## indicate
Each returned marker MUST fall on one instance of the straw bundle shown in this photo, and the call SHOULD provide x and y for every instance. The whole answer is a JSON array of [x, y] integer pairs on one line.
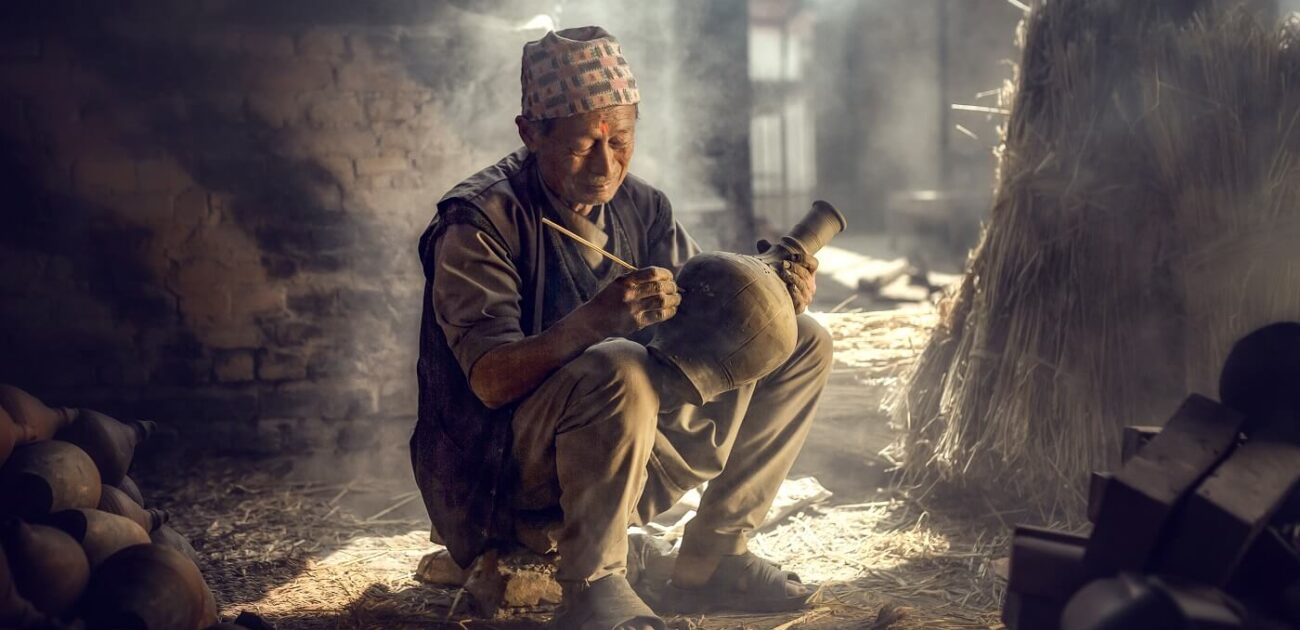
[[1145, 150]]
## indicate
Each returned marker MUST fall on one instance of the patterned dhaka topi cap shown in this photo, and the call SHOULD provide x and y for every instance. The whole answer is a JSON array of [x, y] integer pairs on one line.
[[575, 71]]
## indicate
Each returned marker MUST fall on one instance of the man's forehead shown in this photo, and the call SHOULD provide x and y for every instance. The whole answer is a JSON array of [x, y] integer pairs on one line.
[[600, 121]]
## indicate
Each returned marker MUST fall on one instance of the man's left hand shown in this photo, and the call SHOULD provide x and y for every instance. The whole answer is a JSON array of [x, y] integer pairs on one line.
[[801, 279]]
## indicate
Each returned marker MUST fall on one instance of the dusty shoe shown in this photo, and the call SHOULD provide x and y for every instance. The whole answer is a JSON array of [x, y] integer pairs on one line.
[[744, 583], [606, 604]]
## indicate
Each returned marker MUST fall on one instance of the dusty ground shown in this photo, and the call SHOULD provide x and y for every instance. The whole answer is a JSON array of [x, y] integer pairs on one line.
[[308, 554]]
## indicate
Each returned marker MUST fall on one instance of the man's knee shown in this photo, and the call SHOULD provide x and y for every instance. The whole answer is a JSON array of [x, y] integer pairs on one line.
[[616, 373], [815, 346]]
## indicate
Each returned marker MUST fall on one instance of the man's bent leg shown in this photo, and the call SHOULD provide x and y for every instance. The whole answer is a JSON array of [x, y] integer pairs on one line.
[[777, 415], [582, 439]]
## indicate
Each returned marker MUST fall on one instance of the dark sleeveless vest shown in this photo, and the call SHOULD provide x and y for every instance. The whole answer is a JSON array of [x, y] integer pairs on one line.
[[460, 450]]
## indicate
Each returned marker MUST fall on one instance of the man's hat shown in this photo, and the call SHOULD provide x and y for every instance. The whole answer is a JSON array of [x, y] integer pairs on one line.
[[575, 71]]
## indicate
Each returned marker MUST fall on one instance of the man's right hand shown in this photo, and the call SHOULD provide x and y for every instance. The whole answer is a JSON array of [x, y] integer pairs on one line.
[[635, 300]]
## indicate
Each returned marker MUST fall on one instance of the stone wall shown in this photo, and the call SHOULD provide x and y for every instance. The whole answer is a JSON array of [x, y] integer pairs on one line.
[[210, 208]]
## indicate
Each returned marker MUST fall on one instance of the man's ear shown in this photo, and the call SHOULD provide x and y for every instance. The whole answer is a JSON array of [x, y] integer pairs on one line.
[[527, 132]]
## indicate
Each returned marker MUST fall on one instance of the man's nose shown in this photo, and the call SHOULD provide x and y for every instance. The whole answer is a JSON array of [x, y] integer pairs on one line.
[[602, 164]]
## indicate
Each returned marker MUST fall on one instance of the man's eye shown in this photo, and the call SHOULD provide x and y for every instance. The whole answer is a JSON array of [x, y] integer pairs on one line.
[[580, 150]]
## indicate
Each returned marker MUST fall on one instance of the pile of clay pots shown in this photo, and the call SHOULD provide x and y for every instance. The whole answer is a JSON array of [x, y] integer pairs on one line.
[[77, 546]]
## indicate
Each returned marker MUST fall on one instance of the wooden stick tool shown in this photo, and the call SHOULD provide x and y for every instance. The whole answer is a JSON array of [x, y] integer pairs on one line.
[[594, 247]]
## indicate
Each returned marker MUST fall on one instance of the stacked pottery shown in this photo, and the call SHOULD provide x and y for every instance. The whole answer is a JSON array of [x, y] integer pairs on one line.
[[77, 545]]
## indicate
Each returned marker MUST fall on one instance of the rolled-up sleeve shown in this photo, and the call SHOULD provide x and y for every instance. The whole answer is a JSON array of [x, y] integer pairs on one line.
[[475, 294]]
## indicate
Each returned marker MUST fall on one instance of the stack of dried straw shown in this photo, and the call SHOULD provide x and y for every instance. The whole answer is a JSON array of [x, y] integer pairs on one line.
[[1147, 215]]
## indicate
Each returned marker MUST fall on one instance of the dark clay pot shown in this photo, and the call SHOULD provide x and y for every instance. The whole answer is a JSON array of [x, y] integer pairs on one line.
[[101, 534], [48, 566], [147, 587], [15, 610], [128, 486], [110, 443], [167, 536], [10, 432], [736, 322], [46, 477], [114, 501], [37, 421]]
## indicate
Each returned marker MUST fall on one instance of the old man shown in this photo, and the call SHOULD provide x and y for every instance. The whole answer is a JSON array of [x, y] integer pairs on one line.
[[543, 421]]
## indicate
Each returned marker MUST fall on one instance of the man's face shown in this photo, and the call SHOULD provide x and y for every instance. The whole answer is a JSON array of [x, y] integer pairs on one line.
[[584, 158]]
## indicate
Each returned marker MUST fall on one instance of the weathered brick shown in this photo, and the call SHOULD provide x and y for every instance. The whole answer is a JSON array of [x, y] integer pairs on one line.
[[96, 176], [405, 138], [293, 400], [191, 207], [295, 333], [340, 167], [300, 75], [274, 109], [152, 209], [234, 367], [206, 307], [262, 44], [398, 397], [231, 335], [320, 43], [274, 365], [375, 77], [332, 110], [163, 175], [391, 109], [376, 46], [182, 372], [256, 299], [381, 165], [341, 142]]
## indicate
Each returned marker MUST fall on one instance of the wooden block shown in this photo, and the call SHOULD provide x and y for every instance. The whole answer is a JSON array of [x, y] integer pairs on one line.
[[1142, 495], [1026, 612], [1046, 563], [1229, 511], [1097, 493], [1135, 437]]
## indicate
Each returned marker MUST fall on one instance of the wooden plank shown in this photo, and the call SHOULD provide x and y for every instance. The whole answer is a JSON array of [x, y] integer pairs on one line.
[[1229, 511], [1143, 494]]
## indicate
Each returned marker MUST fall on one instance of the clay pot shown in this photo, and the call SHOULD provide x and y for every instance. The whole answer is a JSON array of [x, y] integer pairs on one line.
[[110, 443], [114, 501], [128, 486], [48, 566], [147, 587], [46, 477], [167, 536], [101, 534], [15, 611], [38, 421], [10, 432], [736, 322]]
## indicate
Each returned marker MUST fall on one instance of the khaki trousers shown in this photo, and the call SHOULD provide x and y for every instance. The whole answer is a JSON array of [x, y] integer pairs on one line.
[[594, 442]]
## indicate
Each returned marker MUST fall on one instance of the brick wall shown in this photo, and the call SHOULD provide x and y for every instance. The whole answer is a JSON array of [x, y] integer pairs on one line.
[[210, 209]]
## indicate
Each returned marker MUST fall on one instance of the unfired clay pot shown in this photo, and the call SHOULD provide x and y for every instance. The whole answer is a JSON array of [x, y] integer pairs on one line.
[[149, 587], [101, 534], [38, 421], [110, 443], [736, 322], [15, 610], [114, 501], [47, 477], [49, 567], [128, 486]]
